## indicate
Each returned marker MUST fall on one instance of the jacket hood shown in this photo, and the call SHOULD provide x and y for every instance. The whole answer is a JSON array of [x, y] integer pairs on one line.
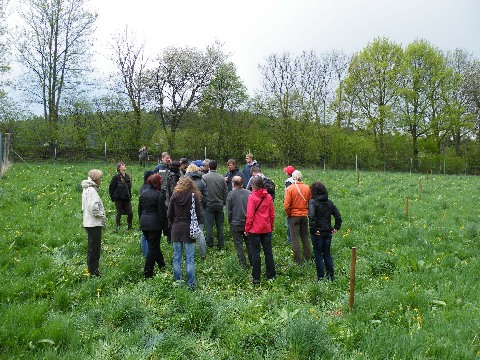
[[194, 175], [89, 183], [321, 198], [260, 192]]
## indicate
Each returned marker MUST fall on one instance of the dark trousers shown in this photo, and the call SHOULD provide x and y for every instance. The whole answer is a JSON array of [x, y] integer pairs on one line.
[[262, 241], [321, 252], [94, 235], [239, 239], [124, 207], [154, 254], [214, 214], [299, 235]]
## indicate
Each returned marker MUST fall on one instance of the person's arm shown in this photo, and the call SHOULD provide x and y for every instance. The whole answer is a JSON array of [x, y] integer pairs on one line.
[[311, 216], [338, 219], [250, 213]]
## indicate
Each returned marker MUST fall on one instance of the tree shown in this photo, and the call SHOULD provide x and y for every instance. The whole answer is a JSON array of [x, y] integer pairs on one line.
[[131, 65], [54, 45], [178, 82], [372, 83]]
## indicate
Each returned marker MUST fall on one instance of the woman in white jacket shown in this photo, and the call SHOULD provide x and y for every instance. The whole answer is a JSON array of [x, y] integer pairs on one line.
[[93, 218]]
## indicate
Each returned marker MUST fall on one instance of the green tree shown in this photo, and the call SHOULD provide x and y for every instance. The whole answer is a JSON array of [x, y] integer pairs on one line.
[[53, 45], [177, 83], [372, 84]]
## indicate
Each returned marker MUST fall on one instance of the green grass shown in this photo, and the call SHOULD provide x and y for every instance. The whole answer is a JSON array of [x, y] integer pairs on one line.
[[416, 297]]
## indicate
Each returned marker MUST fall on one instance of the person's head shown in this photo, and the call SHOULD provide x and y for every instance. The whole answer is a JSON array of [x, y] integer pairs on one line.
[[212, 164], [205, 164], [192, 168], [317, 188], [166, 159], [95, 175], [183, 163], [186, 184], [257, 182], [297, 175], [175, 167], [231, 164], [255, 170], [121, 166], [289, 170], [155, 181], [146, 175], [237, 182], [249, 158]]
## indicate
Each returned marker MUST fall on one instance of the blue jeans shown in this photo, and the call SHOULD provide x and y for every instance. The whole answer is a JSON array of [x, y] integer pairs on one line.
[[144, 246], [189, 260], [289, 239], [321, 251], [214, 214], [264, 241]]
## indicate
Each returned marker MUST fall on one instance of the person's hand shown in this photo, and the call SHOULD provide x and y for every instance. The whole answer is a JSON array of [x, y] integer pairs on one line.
[[317, 233], [334, 231]]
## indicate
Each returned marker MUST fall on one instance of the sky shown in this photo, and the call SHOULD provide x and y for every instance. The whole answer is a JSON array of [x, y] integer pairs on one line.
[[251, 30]]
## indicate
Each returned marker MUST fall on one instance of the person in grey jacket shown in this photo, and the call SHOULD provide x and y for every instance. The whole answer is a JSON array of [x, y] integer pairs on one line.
[[193, 172], [93, 219], [320, 212], [237, 200], [152, 212], [216, 199]]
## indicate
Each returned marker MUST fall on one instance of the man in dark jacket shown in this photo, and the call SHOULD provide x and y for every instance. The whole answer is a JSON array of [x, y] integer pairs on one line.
[[120, 190], [232, 171]]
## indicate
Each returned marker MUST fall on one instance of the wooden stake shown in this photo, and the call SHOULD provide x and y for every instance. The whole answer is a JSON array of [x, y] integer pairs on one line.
[[353, 265], [406, 206]]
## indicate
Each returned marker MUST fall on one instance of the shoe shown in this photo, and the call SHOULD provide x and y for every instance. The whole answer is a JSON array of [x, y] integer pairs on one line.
[[96, 274], [255, 281]]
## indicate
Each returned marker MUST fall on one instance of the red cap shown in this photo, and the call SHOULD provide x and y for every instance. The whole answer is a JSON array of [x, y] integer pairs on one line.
[[289, 169]]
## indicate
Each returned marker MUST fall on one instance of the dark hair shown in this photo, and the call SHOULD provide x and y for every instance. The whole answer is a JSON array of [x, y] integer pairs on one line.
[[232, 161], [175, 167], [120, 164], [317, 188], [183, 161], [255, 169], [257, 182], [154, 181], [212, 165], [146, 175]]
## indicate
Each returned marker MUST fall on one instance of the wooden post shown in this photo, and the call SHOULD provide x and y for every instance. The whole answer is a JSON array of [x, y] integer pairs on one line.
[[353, 265], [406, 206]]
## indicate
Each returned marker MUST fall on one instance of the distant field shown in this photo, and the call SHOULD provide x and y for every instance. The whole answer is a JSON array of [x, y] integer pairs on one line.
[[417, 280]]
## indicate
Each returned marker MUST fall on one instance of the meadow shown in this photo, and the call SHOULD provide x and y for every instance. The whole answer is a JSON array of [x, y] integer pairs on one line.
[[417, 277]]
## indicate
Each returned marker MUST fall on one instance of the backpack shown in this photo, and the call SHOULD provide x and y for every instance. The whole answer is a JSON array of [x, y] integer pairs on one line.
[[270, 186]]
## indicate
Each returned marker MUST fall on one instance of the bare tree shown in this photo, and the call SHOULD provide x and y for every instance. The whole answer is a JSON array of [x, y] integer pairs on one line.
[[130, 62], [177, 83], [53, 45]]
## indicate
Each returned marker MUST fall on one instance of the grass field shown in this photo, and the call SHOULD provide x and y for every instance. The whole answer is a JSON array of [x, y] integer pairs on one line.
[[417, 278]]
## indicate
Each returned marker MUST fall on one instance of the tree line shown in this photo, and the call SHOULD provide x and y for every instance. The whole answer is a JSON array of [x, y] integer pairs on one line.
[[394, 107]]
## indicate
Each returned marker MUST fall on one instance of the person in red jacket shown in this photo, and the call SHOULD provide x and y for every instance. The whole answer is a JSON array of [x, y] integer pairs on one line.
[[259, 227]]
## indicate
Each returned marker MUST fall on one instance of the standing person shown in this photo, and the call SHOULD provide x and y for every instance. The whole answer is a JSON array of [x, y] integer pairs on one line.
[[173, 177], [267, 182], [216, 199], [194, 173], [93, 219], [180, 215], [320, 212], [259, 227], [143, 155], [288, 171], [295, 205], [120, 190], [204, 168], [247, 170], [152, 214], [232, 171], [143, 241], [237, 200], [183, 166], [163, 168]]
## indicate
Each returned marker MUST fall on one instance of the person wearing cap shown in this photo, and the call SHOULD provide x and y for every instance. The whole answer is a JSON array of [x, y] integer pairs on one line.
[[288, 171], [295, 205], [120, 190], [183, 166]]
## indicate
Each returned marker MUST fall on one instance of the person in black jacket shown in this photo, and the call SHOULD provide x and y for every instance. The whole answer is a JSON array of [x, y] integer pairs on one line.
[[320, 212], [120, 190], [152, 213]]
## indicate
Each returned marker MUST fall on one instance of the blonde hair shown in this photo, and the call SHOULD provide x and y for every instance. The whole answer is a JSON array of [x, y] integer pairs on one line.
[[297, 175], [95, 175], [185, 184], [192, 168]]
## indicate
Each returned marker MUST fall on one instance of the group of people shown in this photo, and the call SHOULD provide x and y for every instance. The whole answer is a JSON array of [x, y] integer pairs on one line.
[[180, 198]]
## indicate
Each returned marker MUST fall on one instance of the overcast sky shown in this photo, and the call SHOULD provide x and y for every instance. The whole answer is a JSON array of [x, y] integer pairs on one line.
[[253, 29]]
